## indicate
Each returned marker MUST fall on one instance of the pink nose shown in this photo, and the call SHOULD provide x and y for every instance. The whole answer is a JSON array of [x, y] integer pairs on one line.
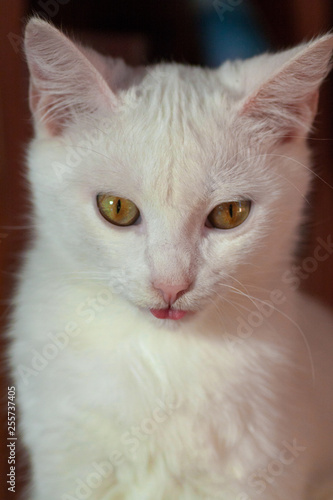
[[170, 292]]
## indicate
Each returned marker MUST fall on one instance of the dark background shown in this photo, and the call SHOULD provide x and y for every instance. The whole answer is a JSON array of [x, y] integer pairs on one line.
[[144, 31]]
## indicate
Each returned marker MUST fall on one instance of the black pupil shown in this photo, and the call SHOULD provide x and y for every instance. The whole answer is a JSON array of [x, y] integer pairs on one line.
[[231, 210], [118, 206]]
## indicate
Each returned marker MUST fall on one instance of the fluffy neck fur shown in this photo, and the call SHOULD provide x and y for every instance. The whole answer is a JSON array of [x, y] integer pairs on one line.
[[177, 141]]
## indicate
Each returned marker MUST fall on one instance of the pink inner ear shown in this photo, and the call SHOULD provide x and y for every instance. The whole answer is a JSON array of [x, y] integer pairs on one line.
[[34, 93], [313, 102], [261, 107], [66, 82], [41, 103], [34, 97], [286, 102], [288, 137], [288, 134], [304, 111], [54, 127]]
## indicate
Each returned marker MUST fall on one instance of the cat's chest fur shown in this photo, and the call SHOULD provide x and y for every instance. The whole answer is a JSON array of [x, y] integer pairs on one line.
[[184, 401]]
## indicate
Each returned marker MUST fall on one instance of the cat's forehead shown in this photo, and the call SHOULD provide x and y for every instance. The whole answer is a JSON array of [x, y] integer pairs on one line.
[[168, 163], [177, 97], [174, 137], [180, 96], [172, 142]]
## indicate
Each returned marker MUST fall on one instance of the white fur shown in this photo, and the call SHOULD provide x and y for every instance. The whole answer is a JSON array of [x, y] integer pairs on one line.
[[184, 410]]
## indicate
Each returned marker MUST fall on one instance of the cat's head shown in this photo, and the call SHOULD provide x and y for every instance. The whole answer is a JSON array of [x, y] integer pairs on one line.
[[172, 185]]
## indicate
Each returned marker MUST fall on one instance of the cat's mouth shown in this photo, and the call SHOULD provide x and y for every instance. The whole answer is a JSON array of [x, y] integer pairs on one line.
[[168, 313]]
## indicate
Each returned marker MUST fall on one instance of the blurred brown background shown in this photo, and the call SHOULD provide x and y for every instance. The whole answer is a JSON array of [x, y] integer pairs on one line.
[[143, 31]]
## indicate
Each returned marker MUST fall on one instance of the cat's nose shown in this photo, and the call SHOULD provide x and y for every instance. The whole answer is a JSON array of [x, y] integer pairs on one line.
[[171, 293]]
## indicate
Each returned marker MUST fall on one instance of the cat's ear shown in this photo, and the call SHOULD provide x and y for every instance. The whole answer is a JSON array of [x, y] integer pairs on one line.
[[66, 79], [285, 91]]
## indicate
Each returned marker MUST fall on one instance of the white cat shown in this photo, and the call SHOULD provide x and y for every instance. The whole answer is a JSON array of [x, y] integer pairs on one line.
[[160, 345]]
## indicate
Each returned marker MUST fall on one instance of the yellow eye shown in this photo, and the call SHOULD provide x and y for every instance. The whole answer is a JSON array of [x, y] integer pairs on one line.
[[230, 214], [118, 211]]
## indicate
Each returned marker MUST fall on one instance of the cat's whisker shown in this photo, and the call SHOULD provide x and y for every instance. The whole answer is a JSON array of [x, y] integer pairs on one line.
[[294, 186], [305, 137], [236, 280], [88, 278], [256, 287], [301, 164], [273, 306], [68, 273], [212, 301], [239, 292], [234, 304], [265, 155]]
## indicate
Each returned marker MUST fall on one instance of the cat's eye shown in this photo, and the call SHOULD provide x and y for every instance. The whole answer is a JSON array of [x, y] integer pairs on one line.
[[118, 211], [229, 214]]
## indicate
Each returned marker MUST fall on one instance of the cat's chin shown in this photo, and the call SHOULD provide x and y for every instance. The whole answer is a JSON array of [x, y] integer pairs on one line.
[[173, 314]]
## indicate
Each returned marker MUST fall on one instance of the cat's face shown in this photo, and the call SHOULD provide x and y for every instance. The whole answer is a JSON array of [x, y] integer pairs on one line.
[[186, 141]]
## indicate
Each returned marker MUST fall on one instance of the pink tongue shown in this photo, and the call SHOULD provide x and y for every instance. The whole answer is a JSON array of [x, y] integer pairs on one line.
[[167, 313]]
